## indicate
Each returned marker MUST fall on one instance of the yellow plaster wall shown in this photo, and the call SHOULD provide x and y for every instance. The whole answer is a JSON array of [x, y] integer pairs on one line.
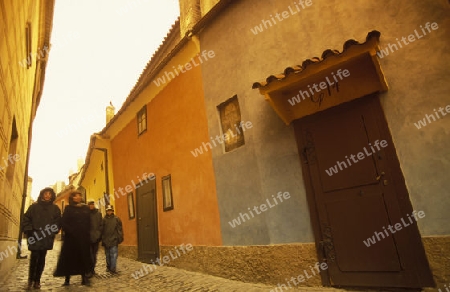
[[94, 180], [19, 88]]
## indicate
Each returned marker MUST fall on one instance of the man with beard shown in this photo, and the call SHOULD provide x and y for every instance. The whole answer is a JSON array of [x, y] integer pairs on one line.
[[40, 223], [75, 256]]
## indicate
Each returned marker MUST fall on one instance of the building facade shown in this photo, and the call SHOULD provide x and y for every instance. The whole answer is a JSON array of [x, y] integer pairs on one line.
[[277, 165], [156, 184], [311, 117], [24, 45]]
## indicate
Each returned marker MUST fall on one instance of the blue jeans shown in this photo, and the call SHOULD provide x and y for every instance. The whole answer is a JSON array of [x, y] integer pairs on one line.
[[111, 257]]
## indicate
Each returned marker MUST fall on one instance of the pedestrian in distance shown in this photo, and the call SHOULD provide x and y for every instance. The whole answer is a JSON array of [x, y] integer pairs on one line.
[[112, 236], [75, 256], [40, 223], [95, 234]]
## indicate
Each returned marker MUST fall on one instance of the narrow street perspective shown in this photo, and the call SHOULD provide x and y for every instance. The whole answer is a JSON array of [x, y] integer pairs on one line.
[[225, 145]]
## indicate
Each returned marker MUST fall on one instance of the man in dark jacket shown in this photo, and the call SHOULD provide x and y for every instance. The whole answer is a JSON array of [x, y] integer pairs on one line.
[[40, 224], [112, 236], [96, 234]]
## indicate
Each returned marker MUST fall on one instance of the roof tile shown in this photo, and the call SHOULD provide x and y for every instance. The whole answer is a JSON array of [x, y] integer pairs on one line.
[[308, 62]]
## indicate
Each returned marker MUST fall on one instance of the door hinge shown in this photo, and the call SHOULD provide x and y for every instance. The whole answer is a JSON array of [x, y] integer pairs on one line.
[[305, 155], [327, 243]]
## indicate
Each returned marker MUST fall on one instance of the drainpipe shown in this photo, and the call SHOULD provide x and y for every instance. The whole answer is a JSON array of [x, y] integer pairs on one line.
[[24, 196]]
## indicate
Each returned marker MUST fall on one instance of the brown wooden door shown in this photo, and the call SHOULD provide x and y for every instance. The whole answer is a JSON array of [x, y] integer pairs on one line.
[[355, 199], [147, 222]]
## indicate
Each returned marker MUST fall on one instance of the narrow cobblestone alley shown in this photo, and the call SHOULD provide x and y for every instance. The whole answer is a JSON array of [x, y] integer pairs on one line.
[[162, 279], [236, 145]]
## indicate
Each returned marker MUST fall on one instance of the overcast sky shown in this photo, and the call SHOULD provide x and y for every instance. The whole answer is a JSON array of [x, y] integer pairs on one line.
[[99, 49]]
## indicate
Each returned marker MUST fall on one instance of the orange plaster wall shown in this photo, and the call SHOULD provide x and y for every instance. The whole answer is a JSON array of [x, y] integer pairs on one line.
[[176, 125]]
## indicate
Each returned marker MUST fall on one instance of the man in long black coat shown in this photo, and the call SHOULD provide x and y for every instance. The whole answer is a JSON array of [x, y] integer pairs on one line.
[[40, 224], [75, 257]]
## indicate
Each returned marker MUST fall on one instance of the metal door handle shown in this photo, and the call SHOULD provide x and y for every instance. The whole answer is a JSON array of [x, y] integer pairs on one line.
[[380, 176]]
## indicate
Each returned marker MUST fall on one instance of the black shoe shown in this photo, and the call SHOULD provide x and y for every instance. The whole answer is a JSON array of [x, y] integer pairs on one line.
[[67, 281], [30, 285]]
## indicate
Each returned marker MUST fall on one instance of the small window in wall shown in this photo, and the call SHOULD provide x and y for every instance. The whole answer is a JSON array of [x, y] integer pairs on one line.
[[142, 120], [12, 156], [230, 119], [167, 193], [130, 206], [28, 45]]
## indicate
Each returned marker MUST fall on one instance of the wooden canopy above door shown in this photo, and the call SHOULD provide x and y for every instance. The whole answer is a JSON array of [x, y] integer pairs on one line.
[[321, 83]]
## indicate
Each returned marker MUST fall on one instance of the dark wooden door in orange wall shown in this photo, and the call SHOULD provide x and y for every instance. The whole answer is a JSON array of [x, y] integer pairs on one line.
[[355, 190], [147, 222]]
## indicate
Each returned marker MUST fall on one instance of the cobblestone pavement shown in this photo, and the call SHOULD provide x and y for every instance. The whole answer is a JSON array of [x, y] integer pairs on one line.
[[161, 279]]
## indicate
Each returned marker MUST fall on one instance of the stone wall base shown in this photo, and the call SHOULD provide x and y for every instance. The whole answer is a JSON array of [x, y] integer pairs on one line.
[[8, 248], [128, 251], [437, 249], [270, 264], [275, 264]]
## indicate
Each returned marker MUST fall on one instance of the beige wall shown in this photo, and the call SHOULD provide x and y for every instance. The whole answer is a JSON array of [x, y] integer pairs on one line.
[[417, 76]]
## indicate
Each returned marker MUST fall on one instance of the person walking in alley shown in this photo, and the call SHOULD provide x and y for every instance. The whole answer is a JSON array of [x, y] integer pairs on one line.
[[40, 224], [96, 234], [75, 256], [112, 236]]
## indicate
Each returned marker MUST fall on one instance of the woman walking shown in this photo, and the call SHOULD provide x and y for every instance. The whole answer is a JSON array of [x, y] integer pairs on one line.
[[40, 224], [75, 257]]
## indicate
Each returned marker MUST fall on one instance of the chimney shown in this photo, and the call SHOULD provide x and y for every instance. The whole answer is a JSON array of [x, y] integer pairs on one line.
[[190, 14], [110, 112]]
